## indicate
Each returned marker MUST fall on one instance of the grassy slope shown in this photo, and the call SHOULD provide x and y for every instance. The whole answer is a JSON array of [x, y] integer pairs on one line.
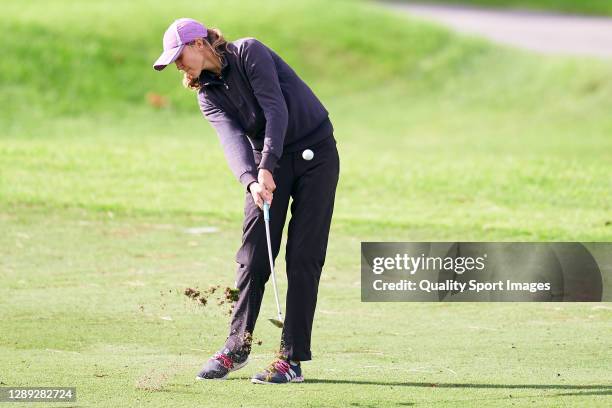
[[594, 7], [459, 127], [440, 138]]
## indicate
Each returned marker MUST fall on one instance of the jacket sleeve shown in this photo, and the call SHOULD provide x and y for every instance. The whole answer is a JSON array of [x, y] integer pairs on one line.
[[263, 77], [237, 149]]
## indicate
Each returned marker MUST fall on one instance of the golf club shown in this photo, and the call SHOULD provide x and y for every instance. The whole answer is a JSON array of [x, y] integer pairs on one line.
[[277, 322]]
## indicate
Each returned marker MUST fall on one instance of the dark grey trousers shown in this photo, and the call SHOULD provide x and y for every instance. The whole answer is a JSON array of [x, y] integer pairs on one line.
[[312, 186]]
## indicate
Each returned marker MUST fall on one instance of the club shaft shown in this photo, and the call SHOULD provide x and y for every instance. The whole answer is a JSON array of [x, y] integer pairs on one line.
[[278, 308]]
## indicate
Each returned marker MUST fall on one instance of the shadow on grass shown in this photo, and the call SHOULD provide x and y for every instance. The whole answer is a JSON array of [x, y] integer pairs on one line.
[[595, 389], [599, 389]]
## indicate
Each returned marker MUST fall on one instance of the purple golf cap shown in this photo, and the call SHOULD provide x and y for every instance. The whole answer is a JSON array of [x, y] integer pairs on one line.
[[180, 32]]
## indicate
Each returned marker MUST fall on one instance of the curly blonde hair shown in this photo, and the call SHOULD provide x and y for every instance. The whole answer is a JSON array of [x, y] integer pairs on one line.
[[218, 46]]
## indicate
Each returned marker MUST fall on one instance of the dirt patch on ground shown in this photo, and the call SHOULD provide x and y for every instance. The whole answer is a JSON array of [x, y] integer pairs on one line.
[[152, 381]]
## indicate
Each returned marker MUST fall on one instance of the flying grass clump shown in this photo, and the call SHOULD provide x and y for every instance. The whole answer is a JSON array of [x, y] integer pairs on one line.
[[226, 296]]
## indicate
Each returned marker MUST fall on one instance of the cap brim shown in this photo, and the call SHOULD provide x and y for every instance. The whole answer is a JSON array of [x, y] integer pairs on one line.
[[168, 57]]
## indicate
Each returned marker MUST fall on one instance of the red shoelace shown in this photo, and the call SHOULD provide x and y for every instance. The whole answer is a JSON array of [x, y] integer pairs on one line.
[[281, 366], [225, 360]]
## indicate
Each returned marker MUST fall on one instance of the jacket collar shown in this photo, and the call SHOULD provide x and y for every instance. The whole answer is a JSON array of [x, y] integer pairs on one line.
[[207, 77]]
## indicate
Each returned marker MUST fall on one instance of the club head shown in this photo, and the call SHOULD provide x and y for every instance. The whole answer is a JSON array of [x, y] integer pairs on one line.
[[277, 323]]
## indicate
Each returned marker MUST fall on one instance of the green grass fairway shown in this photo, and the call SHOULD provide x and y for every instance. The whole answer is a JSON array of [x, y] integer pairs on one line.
[[440, 138], [88, 300]]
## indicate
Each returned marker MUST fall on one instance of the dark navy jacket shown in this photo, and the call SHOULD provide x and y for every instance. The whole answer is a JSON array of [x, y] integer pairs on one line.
[[259, 103]]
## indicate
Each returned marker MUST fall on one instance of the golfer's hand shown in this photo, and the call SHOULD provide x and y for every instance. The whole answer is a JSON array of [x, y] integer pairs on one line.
[[264, 177], [260, 194]]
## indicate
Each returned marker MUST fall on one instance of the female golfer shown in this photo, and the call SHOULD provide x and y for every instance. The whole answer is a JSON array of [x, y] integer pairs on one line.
[[278, 141]]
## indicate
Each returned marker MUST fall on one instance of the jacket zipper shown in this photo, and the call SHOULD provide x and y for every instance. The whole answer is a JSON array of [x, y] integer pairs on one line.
[[224, 83]]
